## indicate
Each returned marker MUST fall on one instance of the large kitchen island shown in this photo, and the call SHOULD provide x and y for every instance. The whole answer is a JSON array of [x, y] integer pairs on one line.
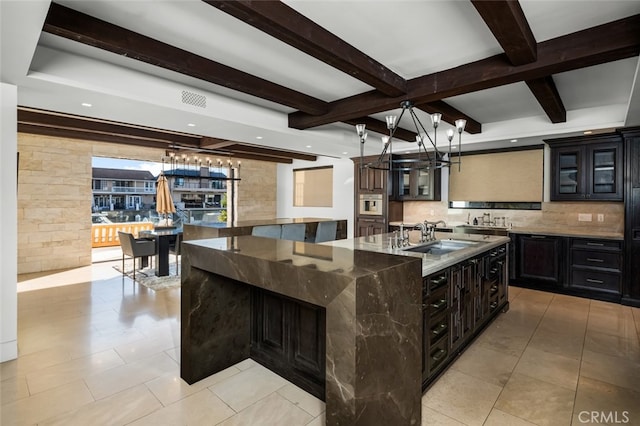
[[362, 325]]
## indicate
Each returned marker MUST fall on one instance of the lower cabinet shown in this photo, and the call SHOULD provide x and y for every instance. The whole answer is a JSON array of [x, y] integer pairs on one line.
[[540, 259], [457, 303], [288, 337], [595, 265], [586, 267], [368, 227]]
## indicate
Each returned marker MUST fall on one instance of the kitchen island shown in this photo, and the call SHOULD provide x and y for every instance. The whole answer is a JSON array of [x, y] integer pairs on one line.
[[362, 302]]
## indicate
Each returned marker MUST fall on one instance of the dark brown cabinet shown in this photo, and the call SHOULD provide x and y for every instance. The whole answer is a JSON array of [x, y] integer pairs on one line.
[[367, 227], [373, 183], [539, 259], [288, 337], [631, 284], [587, 168], [418, 184], [457, 303]]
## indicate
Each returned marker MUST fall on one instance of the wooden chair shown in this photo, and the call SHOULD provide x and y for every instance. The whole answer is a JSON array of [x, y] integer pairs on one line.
[[135, 248]]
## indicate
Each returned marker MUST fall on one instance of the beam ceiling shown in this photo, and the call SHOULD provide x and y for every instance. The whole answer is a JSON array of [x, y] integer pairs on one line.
[[75, 127]]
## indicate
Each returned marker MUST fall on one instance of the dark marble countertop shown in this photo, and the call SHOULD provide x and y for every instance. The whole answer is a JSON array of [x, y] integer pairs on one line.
[[430, 263], [275, 221]]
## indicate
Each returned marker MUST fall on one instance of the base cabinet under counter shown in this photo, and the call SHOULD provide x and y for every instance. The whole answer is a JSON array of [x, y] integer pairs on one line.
[[585, 267], [458, 302]]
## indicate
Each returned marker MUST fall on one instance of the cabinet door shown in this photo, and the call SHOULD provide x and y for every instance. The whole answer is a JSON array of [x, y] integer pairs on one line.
[[605, 172], [568, 173], [370, 180], [368, 227], [307, 340], [539, 258], [269, 335]]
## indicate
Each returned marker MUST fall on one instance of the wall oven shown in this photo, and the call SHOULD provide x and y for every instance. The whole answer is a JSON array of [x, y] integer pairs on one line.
[[370, 204]]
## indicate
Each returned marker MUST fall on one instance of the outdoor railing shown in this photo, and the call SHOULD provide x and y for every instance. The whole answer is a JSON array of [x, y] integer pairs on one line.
[[106, 235]]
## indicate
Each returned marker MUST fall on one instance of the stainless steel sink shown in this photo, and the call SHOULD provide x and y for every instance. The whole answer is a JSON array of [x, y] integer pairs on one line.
[[441, 247]]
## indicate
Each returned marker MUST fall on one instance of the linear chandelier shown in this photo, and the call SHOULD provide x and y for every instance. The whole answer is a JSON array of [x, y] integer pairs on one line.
[[432, 159], [180, 165]]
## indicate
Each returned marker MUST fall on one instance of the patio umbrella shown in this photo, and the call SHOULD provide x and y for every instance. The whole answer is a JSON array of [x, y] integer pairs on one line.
[[164, 202]]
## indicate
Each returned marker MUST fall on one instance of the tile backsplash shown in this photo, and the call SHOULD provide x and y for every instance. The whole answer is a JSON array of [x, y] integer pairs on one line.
[[563, 215]]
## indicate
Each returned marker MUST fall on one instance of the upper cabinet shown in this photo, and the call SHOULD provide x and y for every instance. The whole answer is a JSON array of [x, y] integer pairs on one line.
[[418, 184], [368, 179], [586, 168]]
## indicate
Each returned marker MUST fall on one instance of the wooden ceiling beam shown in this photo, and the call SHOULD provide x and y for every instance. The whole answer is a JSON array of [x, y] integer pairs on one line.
[[546, 92], [68, 23], [252, 149], [57, 120], [287, 25], [509, 26], [62, 132], [593, 46]]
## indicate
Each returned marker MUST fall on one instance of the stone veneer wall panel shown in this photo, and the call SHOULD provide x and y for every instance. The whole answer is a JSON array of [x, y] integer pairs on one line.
[[55, 197], [257, 190]]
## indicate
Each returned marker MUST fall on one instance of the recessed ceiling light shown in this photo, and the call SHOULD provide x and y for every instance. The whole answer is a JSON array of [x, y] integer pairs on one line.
[[513, 140], [345, 153], [191, 125], [258, 137], [86, 104], [308, 146], [587, 132]]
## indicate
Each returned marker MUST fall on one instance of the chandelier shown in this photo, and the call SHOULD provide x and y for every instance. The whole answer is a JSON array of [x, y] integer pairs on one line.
[[425, 159], [184, 166]]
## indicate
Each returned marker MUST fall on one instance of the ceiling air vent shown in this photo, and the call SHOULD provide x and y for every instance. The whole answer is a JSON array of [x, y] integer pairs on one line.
[[194, 99]]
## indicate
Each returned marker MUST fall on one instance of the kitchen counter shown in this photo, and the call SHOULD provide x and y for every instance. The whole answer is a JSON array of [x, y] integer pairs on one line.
[[567, 232], [215, 230], [430, 263]]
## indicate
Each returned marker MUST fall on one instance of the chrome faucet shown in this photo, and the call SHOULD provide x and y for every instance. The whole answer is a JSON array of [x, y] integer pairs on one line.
[[431, 228], [423, 231]]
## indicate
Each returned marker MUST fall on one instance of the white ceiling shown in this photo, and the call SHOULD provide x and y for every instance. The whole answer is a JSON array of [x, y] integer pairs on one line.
[[412, 38]]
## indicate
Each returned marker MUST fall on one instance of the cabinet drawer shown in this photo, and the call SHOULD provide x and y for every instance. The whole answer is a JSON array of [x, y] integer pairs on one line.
[[434, 282], [438, 302], [438, 354], [595, 280], [438, 329], [597, 244], [597, 259]]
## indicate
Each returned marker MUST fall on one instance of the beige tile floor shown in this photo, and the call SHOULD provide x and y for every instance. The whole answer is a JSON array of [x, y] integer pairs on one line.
[[100, 351]]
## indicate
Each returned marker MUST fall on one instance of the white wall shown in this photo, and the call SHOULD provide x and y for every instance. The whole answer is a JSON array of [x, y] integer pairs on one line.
[[8, 222], [342, 191]]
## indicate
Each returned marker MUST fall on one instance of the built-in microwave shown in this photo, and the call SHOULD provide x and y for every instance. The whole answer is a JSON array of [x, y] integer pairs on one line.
[[371, 204]]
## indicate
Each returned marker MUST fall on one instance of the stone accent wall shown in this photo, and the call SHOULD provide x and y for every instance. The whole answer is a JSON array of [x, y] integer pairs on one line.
[[257, 190], [54, 203], [55, 197]]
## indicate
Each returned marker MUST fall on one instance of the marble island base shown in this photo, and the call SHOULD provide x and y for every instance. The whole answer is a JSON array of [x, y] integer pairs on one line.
[[373, 314]]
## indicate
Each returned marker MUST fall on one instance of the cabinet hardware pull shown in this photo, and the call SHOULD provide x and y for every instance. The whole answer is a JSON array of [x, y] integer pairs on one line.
[[439, 329], [437, 357], [439, 304], [595, 244], [592, 259], [590, 280], [539, 236]]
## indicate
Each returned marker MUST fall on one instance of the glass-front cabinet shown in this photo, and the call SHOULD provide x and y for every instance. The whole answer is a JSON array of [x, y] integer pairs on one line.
[[586, 168], [419, 184]]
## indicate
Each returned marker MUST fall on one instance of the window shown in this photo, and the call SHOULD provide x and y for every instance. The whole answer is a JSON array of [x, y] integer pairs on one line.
[[313, 187]]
